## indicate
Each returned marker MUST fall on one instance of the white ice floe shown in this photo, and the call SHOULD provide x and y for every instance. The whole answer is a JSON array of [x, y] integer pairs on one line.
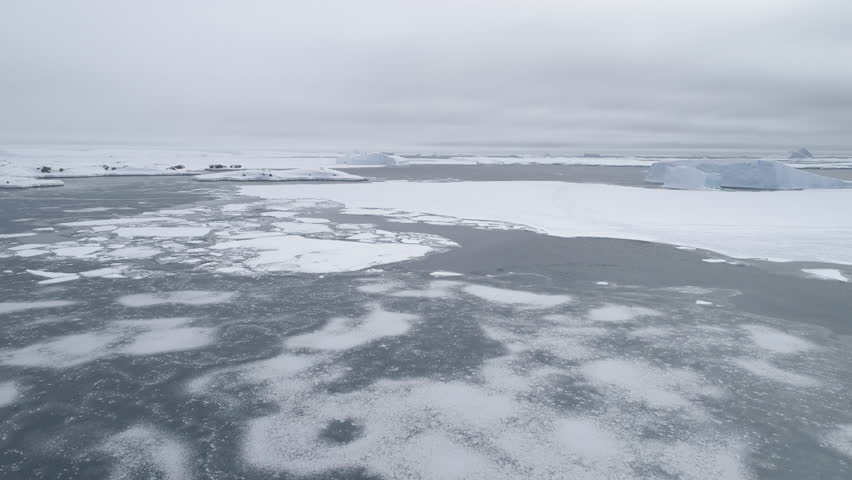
[[295, 175], [737, 173], [145, 451], [703, 302], [12, 307], [8, 393], [119, 221], [826, 274], [364, 158], [763, 369], [815, 224], [343, 333], [516, 297], [291, 253], [132, 253], [180, 297], [620, 313], [776, 341], [17, 235], [444, 273]]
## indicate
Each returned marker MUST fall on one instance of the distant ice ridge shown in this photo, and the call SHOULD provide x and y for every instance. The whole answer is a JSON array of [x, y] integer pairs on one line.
[[359, 158], [294, 175], [736, 173]]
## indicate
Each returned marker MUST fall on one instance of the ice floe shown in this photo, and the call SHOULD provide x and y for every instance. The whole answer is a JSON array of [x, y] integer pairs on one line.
[[814, 224], [345, 333], [366, 158], [826, 274]]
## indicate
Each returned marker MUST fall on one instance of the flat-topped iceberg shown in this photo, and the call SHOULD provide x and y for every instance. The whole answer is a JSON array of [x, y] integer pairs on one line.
[[736, 173], [293, 175], [359, 158]]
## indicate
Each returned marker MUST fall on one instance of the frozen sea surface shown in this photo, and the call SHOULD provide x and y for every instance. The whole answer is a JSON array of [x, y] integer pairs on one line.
[[540, 357]]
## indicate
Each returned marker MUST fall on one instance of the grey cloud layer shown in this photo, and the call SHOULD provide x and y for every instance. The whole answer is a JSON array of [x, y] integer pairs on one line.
[[506, 74]]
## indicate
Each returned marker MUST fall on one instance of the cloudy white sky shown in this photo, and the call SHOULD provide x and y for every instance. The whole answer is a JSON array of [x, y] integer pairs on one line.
[[486, 75]]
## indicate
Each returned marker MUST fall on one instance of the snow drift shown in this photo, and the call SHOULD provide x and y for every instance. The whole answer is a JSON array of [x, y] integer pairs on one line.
[[737, 173], [294, 175], [16, 177], [358, 158]]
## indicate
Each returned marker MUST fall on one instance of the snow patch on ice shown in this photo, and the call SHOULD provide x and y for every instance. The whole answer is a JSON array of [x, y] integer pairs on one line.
[[776, 341], [145, 451], [620, 313], [342, 333], [13, 307], [180, 297], [764, 369], [516, 297], [840, 439], [8, 393]]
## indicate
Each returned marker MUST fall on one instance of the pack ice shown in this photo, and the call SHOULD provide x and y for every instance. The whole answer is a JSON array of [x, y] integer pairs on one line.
[[736, 173]]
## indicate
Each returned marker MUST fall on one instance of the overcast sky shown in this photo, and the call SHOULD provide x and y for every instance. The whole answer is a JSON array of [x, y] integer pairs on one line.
[[487, 75]]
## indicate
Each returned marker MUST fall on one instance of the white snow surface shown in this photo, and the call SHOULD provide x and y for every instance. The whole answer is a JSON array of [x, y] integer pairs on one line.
[[144, 451], [12, 307], [815, 225], [737, 173], [295, 175]]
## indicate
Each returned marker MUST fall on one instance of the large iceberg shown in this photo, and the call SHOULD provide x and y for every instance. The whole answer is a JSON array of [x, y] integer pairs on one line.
[[293, 175], [801, 153], [359, 158], [737, 173]]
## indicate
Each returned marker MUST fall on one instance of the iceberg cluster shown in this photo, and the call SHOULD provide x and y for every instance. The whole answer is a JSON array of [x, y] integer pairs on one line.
[[736, 173]]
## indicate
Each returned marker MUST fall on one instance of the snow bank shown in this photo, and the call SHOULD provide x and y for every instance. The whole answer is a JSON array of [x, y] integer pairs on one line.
[[358, 158], [295, 175], [815, 225], [737, 173]]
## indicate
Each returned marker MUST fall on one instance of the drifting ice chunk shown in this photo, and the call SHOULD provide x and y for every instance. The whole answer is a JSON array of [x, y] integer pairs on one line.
[[294, 175], [688, 178], [358, 158], [743, 173]]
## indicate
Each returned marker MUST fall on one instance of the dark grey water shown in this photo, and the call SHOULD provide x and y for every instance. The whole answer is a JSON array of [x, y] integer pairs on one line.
[[631, 379]]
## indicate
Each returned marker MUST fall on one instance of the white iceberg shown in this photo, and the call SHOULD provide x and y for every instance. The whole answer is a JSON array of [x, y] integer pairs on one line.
[[688, 178], [358, 158], [737, 173], [801, 153], [294, 175]]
